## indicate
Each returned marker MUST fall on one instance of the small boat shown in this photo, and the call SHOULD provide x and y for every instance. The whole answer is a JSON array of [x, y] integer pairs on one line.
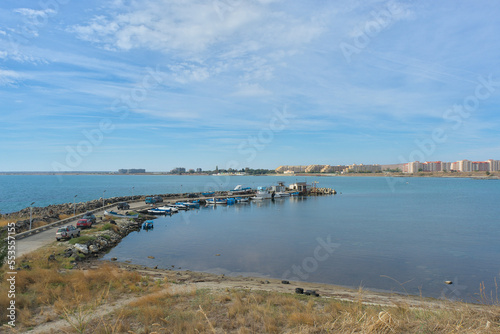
[[239, 190], [209, 193], [262, 193], [148, 224], [189, 204], [242, 199], [179, 206], [168, 208], [214, 201], [282, 194], [118, 215], [231, 201], [161, 211], [294, 193]]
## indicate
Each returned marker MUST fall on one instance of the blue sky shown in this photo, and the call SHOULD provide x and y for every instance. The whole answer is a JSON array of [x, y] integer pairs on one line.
[[103, 85]]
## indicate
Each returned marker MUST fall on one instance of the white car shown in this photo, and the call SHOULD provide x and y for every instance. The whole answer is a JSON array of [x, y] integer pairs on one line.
[[67, 232]]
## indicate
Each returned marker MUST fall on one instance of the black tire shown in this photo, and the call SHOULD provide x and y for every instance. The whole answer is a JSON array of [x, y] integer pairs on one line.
[[78, 234], [58, 239]]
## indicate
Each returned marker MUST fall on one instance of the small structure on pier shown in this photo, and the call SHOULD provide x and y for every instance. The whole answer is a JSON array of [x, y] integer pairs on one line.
[[299, 186], [278, 188]]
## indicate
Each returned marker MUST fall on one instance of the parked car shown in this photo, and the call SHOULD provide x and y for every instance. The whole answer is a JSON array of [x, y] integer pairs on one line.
[[150, 200], [192, 196], [90, 216], [84, 222], [66, 232], [158, 199], [123, 206]]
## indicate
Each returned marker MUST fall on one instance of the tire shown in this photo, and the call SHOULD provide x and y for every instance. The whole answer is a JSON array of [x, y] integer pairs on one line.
[[58, 239], [78, 234], [71, 236]]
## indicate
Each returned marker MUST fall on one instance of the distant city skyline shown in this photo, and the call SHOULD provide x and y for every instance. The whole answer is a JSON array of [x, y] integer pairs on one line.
[[105, 85]]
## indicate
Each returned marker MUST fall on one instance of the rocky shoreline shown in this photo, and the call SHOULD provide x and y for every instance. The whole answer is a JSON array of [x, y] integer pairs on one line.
[[53, 213], [100, 242]]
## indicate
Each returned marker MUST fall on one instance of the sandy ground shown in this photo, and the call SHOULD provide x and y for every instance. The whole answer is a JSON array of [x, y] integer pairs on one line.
[[202, 280]]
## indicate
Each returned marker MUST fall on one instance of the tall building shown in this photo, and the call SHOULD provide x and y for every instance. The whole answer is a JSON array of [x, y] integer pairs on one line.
[[362, 168]]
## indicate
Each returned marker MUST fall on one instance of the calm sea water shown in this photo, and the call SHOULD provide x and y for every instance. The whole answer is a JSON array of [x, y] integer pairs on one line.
[[420, 232]]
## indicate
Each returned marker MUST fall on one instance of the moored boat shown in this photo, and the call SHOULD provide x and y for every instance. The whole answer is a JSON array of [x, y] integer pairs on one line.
[[148, 224], [262, 193], [215, 201], [118, 215]]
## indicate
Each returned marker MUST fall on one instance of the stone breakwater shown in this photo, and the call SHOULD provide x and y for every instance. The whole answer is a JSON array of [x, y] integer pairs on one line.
[[52, 213], [101, 241]]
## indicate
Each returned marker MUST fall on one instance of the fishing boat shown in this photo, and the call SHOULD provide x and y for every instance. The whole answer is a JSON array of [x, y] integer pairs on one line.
[[262, 193], [148, 224], [214, 201], [118, 215], [240, 190], [160, 211], [169, 208], [179, 206], [189, 204]]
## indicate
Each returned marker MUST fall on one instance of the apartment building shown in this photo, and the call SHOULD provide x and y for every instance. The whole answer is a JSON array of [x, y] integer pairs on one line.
[[459, 166]]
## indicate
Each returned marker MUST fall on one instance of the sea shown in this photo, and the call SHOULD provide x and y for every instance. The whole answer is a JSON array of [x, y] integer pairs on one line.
[[404, 235]]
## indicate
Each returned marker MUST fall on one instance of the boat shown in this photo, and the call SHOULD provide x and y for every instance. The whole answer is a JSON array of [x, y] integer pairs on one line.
[[231, 201], [148, 224], [214, 201], [282, 194], [294, 193], [118, 215], [189, 204], [209, 193], [262, 193], [239, 190], [169, 208], [179, 206], [161, 211], [242, 199]]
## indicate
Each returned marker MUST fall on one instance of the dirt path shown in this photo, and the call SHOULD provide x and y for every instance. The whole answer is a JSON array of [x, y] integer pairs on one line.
[[98, 313]]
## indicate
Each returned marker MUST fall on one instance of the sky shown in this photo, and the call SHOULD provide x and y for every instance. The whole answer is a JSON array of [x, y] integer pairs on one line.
[[103, 85]]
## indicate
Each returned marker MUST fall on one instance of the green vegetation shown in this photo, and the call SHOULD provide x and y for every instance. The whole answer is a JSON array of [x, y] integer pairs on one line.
[[81, 240]]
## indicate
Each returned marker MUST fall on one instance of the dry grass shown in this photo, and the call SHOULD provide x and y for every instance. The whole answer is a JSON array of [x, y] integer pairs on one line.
[[47, 285], [46, 292], [242, 311]]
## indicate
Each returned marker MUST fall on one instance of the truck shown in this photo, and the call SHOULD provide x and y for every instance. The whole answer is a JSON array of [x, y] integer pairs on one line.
[[150, 200], [69, 232]]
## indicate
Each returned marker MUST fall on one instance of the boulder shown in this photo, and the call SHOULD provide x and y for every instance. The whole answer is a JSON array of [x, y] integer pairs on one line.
[[82, 248]]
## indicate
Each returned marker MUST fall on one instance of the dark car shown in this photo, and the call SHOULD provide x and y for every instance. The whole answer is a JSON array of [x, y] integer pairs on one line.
[[90, 216], [192, 196], [158, 199], [123, 206]]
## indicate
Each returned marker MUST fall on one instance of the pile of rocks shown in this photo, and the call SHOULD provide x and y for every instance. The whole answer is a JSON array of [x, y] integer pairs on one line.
[[322, 191], [101, 242]]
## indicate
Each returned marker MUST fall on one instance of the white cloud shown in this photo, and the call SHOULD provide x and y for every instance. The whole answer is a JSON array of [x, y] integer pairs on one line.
[[33, 13], [8, 77], [192, 27]]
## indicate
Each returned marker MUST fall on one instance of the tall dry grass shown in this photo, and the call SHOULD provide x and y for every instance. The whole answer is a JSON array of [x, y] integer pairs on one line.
[[46, 284], [242, 311]]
